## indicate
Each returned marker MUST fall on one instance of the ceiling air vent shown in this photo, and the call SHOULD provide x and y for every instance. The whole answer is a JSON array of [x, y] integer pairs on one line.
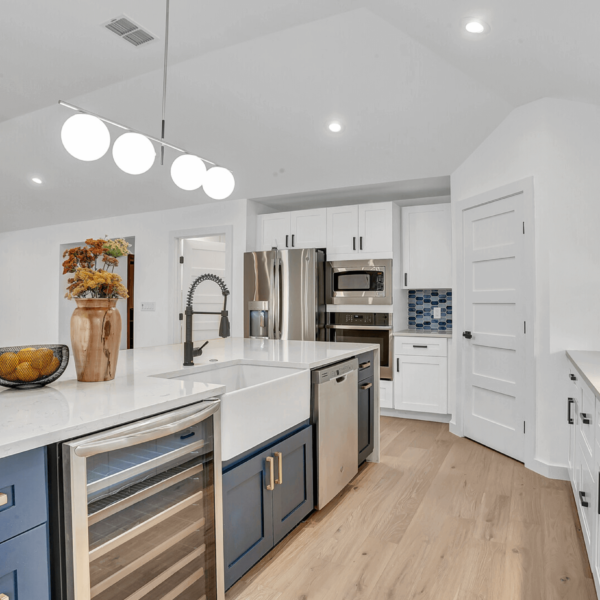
[[129, 31]]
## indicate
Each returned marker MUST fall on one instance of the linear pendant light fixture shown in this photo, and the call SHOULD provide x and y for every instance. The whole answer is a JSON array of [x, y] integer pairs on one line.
[[86, 137]]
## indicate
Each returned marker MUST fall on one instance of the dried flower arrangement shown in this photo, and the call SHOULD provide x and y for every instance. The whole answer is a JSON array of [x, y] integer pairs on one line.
[[90, 282]]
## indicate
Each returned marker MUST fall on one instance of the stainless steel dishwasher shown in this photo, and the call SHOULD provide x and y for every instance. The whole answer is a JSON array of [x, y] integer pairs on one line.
[[335, 416]]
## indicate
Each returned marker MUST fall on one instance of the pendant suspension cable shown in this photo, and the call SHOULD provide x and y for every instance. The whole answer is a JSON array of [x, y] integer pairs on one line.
[[165, 68]]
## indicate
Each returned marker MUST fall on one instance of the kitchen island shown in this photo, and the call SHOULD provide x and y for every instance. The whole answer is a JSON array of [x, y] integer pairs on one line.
[[265, 421]]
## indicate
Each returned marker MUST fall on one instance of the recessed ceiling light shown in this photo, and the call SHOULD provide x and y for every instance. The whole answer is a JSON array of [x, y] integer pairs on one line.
[[335, 127], [36, 180], [476, 26]]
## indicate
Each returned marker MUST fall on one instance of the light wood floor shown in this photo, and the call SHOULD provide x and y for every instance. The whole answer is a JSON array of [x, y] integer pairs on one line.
[[441, 518]]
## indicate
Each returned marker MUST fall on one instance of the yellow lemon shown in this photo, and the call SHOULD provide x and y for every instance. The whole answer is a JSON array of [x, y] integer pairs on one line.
[[25, 372], [8, 363], [10, 376], [25, 355], [48, 370], [42, 358]]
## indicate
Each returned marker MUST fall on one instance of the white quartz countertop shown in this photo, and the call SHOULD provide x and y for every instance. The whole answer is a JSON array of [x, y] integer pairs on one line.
[[421, 333], [68, 409], [588, 364]]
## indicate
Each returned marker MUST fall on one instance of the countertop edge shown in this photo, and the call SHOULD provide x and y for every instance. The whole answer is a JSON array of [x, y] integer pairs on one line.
[[416, 333], [595, 387]]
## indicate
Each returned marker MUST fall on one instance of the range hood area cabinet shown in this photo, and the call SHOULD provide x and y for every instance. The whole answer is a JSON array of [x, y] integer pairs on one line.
[[427, 247], [364, 230], [297, 229]]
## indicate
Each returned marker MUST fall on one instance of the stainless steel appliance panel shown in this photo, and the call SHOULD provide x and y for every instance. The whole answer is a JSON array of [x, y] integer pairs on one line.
[[335, 416], [143, 509], [359, 282], [284, 295]]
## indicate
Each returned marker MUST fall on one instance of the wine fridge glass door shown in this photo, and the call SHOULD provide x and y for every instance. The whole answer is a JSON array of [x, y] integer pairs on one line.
[[143, 519]]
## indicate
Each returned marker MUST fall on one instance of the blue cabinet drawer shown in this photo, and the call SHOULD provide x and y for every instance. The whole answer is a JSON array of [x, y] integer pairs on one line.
[[24, 573], [24, 488], [365, 365]]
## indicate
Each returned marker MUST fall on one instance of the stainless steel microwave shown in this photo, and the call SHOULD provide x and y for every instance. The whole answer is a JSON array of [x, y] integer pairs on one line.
[[359, 282]]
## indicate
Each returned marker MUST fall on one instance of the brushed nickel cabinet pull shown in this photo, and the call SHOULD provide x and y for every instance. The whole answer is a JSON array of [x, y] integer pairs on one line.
[[271, 484], [366, 386], [3, 501], [279, 456], [365, 365]]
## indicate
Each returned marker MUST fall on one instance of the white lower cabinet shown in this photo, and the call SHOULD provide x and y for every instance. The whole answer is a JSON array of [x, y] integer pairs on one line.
[[583, 415], [386, 393]]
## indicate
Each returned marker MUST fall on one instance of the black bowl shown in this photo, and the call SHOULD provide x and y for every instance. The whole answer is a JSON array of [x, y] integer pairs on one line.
[[60, 351]]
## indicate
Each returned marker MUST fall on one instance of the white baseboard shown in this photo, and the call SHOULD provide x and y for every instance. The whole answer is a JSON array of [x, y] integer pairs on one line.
[[419, 416], [549, 471]]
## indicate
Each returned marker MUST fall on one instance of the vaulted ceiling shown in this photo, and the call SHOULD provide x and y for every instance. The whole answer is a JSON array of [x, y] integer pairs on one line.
[[253, 85]]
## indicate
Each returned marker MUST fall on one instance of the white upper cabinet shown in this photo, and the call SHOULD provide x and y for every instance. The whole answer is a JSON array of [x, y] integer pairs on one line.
[[342, 230], [375, 225], [274, 231], [309, 228], [427, 246]]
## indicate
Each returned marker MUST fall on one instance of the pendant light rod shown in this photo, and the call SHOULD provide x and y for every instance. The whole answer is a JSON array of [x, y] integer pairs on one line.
[[165, 68], [150, 137]]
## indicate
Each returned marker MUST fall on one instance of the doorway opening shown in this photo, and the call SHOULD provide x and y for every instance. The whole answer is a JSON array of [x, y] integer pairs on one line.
[[198, 256]]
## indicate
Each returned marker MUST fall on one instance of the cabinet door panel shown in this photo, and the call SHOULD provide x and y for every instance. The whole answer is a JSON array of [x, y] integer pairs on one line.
[[586, 493], [366, 424], [294, 498], [375, 227], [342, 230], [247, 516], [386, 394], [427, 246], [309, 228], [421, 384], [273, 231], [24, 573]]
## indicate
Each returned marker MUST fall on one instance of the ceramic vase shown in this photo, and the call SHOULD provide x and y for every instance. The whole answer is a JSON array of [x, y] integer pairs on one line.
[[95, 338]]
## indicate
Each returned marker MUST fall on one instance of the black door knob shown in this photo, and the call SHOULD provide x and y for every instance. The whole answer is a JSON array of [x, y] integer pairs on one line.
[[467, 334]]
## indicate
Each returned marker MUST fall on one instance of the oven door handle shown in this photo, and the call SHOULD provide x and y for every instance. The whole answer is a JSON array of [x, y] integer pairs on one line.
[[361, 328], [157, 428]]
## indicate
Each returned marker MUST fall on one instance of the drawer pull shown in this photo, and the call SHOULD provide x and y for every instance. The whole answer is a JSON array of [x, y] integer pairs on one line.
[[279, 456], [366, 386], [365, 365], [584, 503], [415, 346], [398, 365], [572, 377], [271, 484], [585, 418], [569, 417], [3, 501]]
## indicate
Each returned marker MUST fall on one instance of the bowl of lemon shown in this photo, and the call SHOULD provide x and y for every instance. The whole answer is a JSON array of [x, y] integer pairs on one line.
[[29, 367]]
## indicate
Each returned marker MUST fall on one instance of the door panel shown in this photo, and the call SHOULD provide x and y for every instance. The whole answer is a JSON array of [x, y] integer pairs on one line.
[[247, 516], [375, 227], [421, 384], [294, 498], [309, 228], [494, 312], [366, 414], [259, 282], [342, 230], [273, 231]]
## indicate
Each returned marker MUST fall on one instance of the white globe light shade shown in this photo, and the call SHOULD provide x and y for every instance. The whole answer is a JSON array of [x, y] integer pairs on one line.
[[219, 183], [134, 153], [188, 172], [85, 137]]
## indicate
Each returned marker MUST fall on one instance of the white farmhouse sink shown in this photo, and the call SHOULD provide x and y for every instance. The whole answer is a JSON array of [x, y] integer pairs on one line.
[[260, 402]]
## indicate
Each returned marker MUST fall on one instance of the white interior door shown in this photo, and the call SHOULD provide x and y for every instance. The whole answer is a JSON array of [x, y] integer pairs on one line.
[[494, 314], [202, 257]]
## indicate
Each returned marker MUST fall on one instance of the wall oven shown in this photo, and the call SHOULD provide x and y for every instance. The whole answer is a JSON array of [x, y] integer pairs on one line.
[[366, 328], [359, 282], [141, 510]]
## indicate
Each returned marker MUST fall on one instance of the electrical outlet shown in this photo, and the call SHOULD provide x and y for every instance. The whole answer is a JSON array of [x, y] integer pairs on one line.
[[437, 312], [148, 306]]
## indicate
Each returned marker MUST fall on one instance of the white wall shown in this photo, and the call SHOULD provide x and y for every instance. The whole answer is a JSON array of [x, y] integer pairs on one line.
[[30, 260], [558, 142]]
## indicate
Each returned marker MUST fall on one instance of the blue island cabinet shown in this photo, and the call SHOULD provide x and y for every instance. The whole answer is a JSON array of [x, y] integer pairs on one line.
[[264, 498], [24, 572]]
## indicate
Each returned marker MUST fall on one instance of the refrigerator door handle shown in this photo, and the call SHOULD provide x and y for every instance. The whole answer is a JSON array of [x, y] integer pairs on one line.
[[276, 295], [271, 323], [158, 429]]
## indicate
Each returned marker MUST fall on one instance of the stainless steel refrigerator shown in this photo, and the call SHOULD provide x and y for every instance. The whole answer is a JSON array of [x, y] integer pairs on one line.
[[284, 294]]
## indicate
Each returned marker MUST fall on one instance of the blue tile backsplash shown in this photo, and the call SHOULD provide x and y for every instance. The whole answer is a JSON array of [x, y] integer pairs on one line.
[[420, 310]]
